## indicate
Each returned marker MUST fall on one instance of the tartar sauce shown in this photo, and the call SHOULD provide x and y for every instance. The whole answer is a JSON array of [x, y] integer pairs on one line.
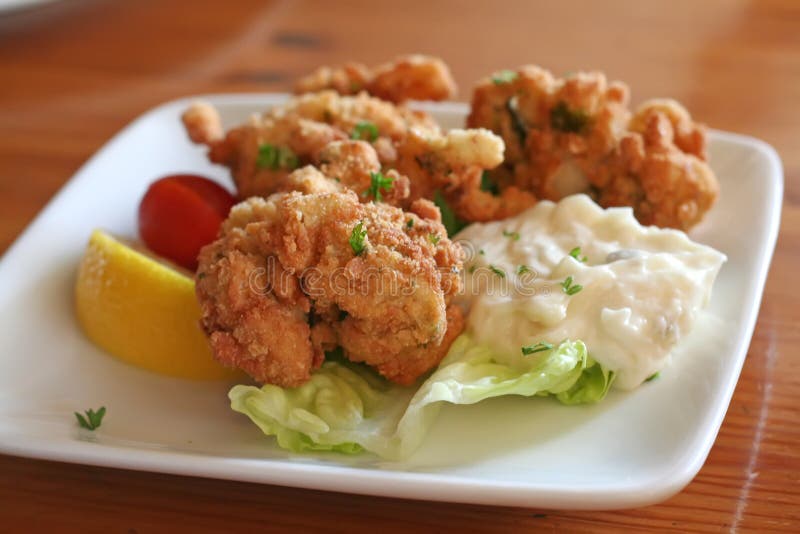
[[574, 270]]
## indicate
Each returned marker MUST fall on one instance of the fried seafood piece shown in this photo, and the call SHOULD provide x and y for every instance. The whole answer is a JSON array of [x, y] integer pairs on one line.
[[263, 151], [452, 165], [298, 274], [572, 135], [667, 185], [400, 156], [412, 77], [355, 165], [548, 123]]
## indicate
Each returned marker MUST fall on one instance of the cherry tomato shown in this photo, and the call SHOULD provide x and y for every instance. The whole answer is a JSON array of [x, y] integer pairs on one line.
[[181, 213]]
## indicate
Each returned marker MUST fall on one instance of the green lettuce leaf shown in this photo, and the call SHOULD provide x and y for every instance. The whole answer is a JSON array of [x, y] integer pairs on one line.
[[346, 408]]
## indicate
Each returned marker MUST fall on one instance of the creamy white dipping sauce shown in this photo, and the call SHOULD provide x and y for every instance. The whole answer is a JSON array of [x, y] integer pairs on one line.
[[641, 286]]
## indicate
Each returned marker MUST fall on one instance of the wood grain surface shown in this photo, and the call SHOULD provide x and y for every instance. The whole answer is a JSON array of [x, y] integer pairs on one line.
[[73, 73]]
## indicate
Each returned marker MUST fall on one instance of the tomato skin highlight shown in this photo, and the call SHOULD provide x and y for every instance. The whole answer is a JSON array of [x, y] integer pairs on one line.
[[181, 213]]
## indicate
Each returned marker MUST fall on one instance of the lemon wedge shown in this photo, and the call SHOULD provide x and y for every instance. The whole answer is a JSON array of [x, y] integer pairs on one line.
[[142, 311]]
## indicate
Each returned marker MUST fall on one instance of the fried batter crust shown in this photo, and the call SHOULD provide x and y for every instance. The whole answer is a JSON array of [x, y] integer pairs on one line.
[[576, 134], [412, 77], [304, 125], [282, 284], [410, 150]]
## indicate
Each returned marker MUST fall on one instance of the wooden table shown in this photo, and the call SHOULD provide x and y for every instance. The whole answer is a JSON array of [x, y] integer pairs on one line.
[[73, 73]]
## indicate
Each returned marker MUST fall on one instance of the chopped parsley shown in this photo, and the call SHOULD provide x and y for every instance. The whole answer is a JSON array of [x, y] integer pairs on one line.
[[378, 182], [472, 268], [335, 355], [482, 252], [504, 76], [92, 420], [570, 288], [499, 272], [513, 235], [365, 130], [576, 253], [357, 238], [434, 238], [541, 346], [517, 122], [276, 157], [410, 223], [450, 220], [522, 269], [488, 185], [568, 120], [652, 377]]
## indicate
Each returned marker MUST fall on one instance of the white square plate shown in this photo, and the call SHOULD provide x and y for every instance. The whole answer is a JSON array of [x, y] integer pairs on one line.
[[632, 449]]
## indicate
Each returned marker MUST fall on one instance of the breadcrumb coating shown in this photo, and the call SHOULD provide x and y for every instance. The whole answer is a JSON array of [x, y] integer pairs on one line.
[[283, 284], [300, 130], [404, 147], [576, 134], [412, 77]]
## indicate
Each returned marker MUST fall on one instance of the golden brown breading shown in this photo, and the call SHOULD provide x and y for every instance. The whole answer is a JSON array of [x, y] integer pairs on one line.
[[349, 79], [354, 164], [406, 148], [453, 164], [571, 135], [345, 112], [547, 122], [264, 150], [244, 303], [666, 185], [413, 77], [202, 123], [283, 284]]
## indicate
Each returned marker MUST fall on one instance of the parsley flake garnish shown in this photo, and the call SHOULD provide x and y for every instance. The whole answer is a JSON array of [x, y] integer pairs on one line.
[[570, 288], [357, 238], [335, 355], [488, 185], [450, 220], [378, 182], [652, 377], [434, 238], [522, 269], [568, 120], [513, 235], [517, 122], [92, 420], [504, 76], [365, 130], [499, 272], [539, 347], [410, 223], [482, 252], [576, 253], [276, 157], [472, 268]]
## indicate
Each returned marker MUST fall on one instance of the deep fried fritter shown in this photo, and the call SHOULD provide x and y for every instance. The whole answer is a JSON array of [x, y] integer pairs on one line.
[[413, 77], [666, 185], [263, 151], [571, 135], [283, 284], [405, 148], [355, 165], [453, 165]]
